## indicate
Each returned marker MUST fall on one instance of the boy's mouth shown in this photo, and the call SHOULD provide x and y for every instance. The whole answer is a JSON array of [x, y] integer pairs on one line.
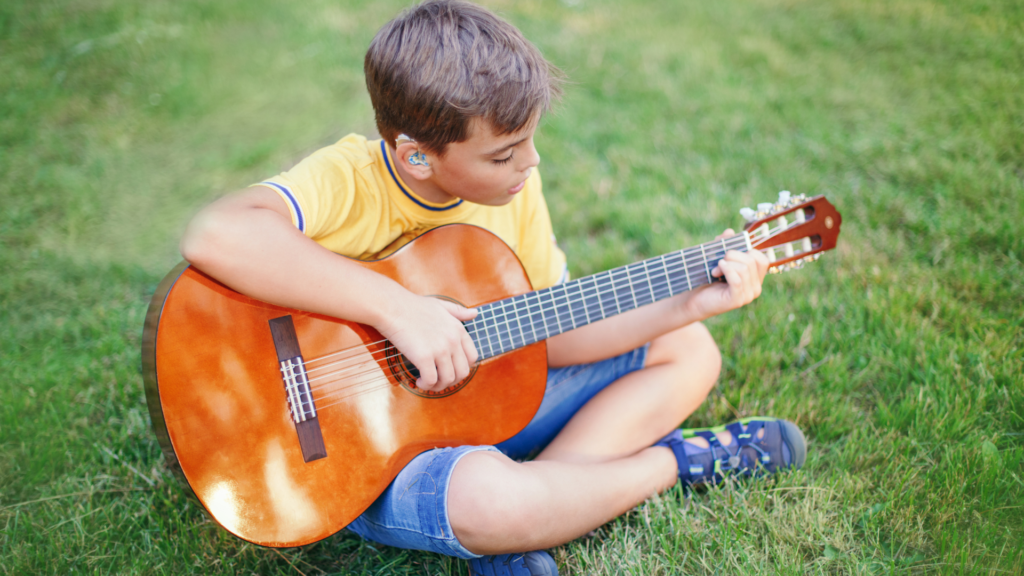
[[517, 188]]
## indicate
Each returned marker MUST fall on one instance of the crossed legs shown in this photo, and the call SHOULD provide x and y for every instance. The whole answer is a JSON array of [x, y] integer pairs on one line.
[[598, 467]]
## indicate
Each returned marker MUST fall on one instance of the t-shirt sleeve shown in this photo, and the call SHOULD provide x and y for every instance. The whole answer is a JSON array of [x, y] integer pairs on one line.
[[544, 261], [320, 192]]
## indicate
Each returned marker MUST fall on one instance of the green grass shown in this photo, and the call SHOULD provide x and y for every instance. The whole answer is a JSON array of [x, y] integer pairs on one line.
[[901, 354]]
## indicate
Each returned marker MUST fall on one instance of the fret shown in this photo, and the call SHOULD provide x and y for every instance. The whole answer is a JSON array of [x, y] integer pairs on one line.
[[650, 286], [523, 317], [528, 318], [597, 291], [547, 306], [619, 287], [541, 317], [495, 329], [568, 304], [480, 324], [519, 323], [708, 270], [530, 313], [615, 291], [686, 269], [638, 292], [629, 279], [660, 281], [543, 297], [583, 299], [504, 328], [554, 308], [493, 333], [581, 302], [668, 278], [491, 330]]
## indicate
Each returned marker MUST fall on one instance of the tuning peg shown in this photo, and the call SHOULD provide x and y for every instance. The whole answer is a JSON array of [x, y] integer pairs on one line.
[[748, 214], [784, 197], [765, 207]]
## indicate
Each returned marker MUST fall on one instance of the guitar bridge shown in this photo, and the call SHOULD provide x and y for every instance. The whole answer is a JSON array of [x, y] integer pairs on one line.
[[296, 385]]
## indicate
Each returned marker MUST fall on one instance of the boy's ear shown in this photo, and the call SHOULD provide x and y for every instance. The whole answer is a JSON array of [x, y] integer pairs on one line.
[[418, 169]]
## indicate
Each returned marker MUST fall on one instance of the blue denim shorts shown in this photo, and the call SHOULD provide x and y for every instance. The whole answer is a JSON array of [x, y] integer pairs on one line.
[[413, 512]]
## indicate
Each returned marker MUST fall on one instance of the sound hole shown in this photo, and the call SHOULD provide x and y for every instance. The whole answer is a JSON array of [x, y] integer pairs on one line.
[[405, 373]]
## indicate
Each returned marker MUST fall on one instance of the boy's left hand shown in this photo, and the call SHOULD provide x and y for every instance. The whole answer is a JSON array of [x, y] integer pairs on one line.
[[744, 272]]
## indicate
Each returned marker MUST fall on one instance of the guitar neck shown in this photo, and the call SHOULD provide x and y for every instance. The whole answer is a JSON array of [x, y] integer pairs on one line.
[[512, 323]]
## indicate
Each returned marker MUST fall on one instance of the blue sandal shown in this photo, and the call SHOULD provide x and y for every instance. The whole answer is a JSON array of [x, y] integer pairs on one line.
[[781, 445], [537, 563]]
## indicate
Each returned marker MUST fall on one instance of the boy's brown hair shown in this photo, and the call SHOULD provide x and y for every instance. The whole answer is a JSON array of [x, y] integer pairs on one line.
[[441, 63]]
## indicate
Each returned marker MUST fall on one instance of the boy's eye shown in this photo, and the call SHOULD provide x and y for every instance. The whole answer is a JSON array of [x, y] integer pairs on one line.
[[504, 160]]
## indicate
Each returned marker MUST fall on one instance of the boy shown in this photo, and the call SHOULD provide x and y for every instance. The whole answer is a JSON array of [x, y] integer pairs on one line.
[[458, 95]]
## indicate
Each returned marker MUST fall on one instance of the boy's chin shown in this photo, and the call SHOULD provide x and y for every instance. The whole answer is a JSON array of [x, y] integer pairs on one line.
[[492, 201], [502, 200]]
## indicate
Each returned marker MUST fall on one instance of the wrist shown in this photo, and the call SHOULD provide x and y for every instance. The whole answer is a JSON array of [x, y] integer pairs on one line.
[[386, 303], [688, 308]]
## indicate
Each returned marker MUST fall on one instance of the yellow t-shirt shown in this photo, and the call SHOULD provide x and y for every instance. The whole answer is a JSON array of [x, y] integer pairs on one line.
[[349, 198]]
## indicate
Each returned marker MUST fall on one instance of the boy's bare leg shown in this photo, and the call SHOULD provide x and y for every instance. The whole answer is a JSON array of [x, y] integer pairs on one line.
[[598, 467]]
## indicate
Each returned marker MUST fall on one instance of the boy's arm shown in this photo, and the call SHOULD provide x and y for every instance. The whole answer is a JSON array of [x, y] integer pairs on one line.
[[246, 240], [744, 272]]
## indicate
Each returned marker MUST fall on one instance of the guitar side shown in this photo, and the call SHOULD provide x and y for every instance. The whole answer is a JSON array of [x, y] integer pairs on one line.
[[219, 406]]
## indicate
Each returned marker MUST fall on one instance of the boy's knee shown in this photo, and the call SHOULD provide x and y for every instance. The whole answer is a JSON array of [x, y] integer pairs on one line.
[[693, 351], [486, 501], [710, 355]]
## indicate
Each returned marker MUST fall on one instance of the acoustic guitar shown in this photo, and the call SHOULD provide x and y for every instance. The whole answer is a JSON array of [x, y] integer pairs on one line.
[[286, 425]]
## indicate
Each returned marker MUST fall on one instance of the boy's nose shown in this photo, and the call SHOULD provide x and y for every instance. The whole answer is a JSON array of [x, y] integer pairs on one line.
[[531, 159]]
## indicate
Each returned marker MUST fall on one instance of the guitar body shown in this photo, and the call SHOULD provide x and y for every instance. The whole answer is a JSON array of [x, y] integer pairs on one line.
[[220, 407]]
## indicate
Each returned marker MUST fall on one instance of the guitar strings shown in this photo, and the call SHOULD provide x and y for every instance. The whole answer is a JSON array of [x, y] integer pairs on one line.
[[503, 316], [345, 399], [675, 268], [387, 384], [688, 263], [372, 361], [600, 291], [377, 375]]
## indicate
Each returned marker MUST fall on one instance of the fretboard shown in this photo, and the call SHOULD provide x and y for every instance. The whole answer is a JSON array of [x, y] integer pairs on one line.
[[512, 323]]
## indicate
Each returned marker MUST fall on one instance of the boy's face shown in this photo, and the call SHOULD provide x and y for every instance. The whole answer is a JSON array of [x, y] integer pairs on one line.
[[486, 168]]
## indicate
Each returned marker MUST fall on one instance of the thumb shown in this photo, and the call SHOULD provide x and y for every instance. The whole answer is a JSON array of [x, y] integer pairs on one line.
[[729, 232], [461, 312]]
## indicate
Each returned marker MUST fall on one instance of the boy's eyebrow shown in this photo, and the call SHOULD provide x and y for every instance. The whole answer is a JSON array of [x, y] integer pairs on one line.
[[506, 147]]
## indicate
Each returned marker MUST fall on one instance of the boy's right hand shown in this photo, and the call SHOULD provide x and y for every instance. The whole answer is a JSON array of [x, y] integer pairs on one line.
[[429, 332]]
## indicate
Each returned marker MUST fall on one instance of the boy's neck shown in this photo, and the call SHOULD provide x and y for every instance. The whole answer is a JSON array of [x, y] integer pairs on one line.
[[425, 189]]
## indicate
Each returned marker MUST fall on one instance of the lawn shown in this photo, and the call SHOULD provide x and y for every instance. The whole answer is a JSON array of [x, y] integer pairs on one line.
[[901, 354]]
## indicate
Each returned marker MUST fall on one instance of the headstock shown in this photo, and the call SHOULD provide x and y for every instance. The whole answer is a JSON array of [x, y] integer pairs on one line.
[[793, 230]]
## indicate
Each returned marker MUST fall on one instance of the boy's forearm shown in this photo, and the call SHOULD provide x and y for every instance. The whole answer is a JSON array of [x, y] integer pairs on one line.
[[255, 250], [619, 334]]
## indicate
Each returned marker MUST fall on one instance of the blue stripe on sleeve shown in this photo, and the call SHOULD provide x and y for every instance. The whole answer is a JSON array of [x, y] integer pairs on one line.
[[300, 221]]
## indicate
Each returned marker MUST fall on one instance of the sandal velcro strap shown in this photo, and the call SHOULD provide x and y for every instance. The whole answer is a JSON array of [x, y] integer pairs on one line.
[[693, 468], [780, 445]]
